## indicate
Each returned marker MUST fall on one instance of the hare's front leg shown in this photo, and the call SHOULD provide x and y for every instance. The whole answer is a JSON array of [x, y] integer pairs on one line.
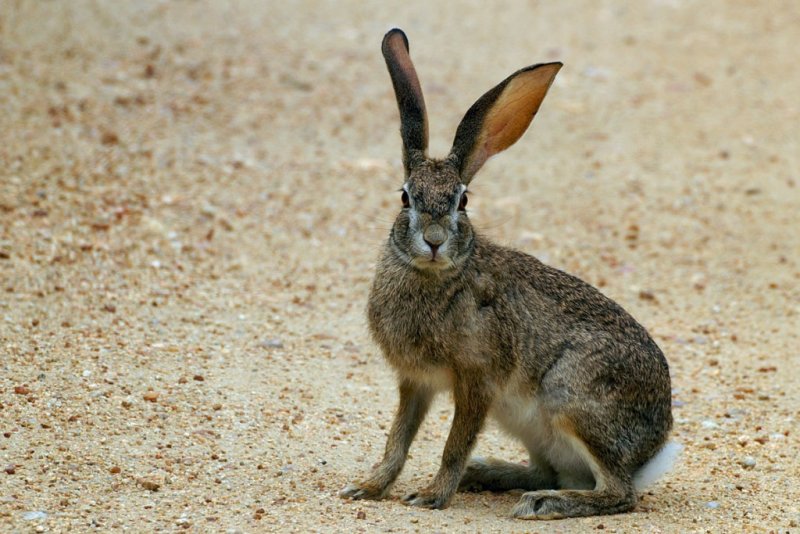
[[472, 400], [414, 403]]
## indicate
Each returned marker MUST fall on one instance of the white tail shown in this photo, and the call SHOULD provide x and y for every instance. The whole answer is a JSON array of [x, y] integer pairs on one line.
[[657, 466]]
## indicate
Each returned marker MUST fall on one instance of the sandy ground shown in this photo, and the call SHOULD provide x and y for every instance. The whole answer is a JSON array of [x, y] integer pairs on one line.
[[192, 200]]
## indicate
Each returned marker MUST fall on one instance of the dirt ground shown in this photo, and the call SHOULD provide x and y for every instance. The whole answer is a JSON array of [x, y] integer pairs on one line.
[[193, 196]]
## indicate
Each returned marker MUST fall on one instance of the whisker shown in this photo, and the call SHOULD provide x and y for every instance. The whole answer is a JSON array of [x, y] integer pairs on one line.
[[494, 224]]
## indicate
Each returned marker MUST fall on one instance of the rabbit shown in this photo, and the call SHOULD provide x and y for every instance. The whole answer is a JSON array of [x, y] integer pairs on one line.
[[556, 363]]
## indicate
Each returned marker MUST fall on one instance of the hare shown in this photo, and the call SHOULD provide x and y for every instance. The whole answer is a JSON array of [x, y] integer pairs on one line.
[[560, 366]]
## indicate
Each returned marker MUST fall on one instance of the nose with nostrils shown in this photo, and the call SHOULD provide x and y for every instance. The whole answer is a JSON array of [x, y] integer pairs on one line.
[[434, 236]]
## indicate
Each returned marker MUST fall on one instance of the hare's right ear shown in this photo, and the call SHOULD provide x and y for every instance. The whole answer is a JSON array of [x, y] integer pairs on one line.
[[413, 117], [500, 117]]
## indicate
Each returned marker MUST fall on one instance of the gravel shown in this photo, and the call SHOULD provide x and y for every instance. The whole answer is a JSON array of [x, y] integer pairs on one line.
[[193, 195]]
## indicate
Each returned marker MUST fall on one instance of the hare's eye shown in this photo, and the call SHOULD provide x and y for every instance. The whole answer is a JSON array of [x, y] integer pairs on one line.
[[462, 204], [404, 199]]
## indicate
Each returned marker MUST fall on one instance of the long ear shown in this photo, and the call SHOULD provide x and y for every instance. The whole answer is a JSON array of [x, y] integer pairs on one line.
[[500, 117], [413, 117]]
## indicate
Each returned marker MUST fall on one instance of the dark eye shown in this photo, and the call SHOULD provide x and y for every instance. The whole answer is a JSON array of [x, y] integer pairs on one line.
[[404, 199], [462, 204]]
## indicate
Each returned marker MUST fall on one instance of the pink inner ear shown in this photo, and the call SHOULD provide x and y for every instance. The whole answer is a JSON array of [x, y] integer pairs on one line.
[[510, 115], [515, 108]]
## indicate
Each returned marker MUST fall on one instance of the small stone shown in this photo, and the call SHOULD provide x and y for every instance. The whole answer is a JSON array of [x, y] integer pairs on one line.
[[34, 516], [712, 504], [647, 295], [22, 390], [271, 344], [10, 469], [748, 462], [150, 396], [151, 482], [361, 514], [198, 378], [114, 470]]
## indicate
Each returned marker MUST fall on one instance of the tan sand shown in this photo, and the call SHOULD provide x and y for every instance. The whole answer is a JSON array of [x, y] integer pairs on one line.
[[193, 196]]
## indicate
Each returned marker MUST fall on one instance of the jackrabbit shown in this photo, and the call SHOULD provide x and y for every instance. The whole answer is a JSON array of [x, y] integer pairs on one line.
[[558, 365]]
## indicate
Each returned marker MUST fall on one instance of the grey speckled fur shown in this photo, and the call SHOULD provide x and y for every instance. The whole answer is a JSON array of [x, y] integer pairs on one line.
[[559, 365]]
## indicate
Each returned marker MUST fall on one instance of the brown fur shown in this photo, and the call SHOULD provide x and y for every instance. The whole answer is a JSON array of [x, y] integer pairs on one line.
[[560, 366]]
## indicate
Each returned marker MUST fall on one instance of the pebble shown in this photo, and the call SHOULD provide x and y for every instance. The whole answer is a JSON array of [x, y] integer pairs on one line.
[[34, 516], [748, 462], [151, 482], [150, 396], [712, 504], [271, 344]]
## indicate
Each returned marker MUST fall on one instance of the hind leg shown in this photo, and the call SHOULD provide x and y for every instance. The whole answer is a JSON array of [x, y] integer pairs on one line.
[[497, 475], [611, 492]]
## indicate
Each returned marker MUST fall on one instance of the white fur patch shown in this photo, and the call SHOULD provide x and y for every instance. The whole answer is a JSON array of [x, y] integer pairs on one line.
[[658, 465]]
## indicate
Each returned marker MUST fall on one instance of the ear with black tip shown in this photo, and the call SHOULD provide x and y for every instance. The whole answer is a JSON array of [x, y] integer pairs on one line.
[[413, 117], [500, 117]]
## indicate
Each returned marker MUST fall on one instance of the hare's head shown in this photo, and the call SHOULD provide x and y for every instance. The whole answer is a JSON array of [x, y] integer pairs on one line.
[[432, 232]]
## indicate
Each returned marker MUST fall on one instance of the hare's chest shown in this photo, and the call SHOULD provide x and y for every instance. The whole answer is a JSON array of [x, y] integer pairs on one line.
[[403, 316]]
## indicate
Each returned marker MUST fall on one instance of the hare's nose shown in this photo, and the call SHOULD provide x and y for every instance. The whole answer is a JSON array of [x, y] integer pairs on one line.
[[434, 236]]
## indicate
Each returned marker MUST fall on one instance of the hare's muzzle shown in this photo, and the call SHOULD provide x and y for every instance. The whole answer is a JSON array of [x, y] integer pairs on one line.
[[434, 236]]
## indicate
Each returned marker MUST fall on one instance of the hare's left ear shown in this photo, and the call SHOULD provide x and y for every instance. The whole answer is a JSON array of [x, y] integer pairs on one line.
[[500, 117]]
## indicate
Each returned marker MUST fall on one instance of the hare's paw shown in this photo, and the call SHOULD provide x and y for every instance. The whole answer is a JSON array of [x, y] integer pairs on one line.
[[362, 490], [544, 504], [427, 499], [552, 504]]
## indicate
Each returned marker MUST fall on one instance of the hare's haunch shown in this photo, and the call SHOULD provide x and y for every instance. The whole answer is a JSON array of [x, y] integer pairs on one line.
[[560, 366]]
